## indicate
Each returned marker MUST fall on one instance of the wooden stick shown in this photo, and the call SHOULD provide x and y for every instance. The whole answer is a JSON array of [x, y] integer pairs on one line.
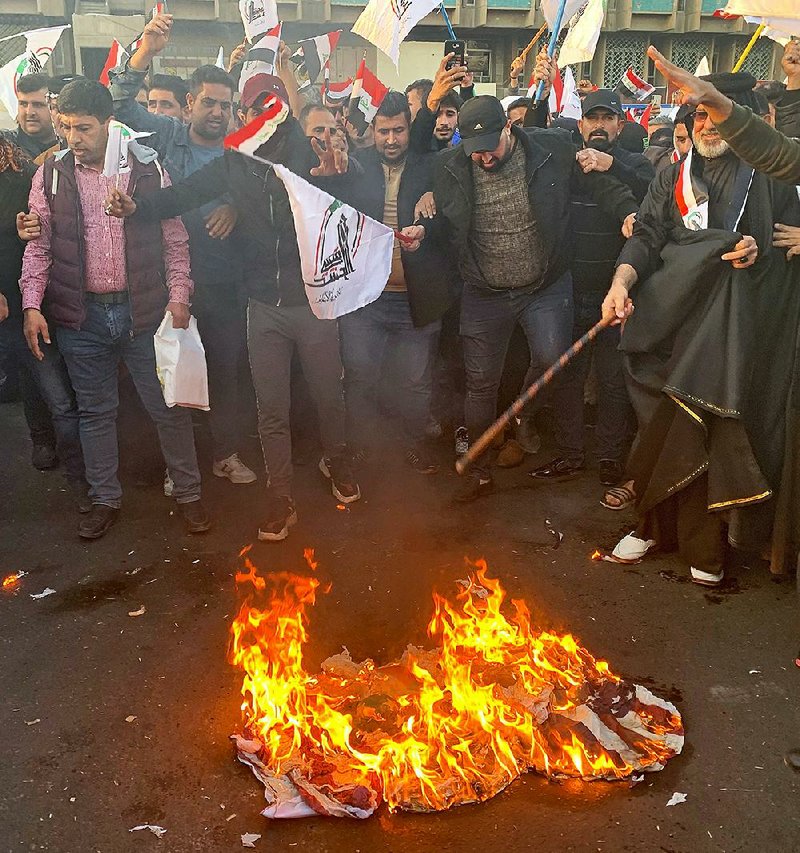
[[479, 446], [750, 45], [542, 30]]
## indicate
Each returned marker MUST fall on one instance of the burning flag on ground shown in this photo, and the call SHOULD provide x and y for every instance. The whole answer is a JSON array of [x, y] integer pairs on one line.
[[438, 728], [366, 99]]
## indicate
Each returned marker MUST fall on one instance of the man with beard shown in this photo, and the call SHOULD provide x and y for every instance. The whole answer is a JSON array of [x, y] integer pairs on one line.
[[502, 198], [34, 133], [185, 148], [280, 322], [708, 458], [596, 243], [405, 319]]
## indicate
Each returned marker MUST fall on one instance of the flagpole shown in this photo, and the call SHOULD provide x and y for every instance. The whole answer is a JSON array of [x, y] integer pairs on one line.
[[750, 45], [542, 30], [551, 47], [447, 23]]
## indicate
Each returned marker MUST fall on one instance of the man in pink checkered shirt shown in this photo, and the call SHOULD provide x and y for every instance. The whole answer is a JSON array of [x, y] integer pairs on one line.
[[105, 286]]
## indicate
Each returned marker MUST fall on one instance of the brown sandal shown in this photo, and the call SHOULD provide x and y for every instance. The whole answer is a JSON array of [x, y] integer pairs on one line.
[[624, 494]]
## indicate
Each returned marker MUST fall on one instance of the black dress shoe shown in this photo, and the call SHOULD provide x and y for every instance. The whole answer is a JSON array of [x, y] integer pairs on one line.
[[195, 517], [610, 471], [471, 489], [44, 457], [558, 469], [97, 522]]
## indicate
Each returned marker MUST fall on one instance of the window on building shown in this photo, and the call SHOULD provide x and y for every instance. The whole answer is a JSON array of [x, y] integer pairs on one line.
[[759, 60], [687, 52], [623, 50], [480, 61]]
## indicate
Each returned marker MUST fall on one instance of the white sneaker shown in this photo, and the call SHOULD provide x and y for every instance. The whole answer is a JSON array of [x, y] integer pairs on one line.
[[168, 484], [234, 469], [631, 549], [706, 578]]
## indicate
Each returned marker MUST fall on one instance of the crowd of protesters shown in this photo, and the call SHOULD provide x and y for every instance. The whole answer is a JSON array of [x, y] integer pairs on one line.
[[520, 230]]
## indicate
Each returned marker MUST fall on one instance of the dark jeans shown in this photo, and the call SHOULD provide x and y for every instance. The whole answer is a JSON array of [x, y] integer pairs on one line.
[[448, 372], [222, 327], [47, 395], [93, 355], [385, 326], [487, 322], [273, 334], [615, 418]]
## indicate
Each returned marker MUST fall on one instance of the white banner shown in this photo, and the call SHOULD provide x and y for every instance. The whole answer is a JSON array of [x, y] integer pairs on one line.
[[120, 137], [386, 23], [584, 31], [258, 16], [346, 257]]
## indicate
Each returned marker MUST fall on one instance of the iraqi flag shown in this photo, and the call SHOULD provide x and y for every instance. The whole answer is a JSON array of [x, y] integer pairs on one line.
[[345, 256], [337, 94], [366, 98], [117, 55], [261, 56], [386, 23], [633, 83], [690, 197], [248, 139], [314, 54]]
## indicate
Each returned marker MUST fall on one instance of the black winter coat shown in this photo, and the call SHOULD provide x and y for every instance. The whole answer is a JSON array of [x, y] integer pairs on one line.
[[430, 277], [266, 227], [14, 190], [552, 175]]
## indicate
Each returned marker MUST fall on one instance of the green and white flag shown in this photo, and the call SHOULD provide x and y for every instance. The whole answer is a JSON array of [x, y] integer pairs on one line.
[[39, 46], [345, 256], [120, 137]]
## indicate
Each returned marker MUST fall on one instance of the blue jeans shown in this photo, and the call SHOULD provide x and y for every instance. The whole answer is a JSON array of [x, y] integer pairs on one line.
[[47, 396], [488, 318], [615, 418], [93, 355], [367, 336]]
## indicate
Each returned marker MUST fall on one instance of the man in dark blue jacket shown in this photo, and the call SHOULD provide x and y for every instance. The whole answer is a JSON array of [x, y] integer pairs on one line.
[[406, 318], [216, 263]]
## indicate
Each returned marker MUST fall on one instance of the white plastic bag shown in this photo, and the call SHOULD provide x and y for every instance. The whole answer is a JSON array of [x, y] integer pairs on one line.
[[181, 365]]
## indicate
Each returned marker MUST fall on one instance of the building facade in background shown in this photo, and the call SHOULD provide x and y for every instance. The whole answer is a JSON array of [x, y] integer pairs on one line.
[[495, 30]]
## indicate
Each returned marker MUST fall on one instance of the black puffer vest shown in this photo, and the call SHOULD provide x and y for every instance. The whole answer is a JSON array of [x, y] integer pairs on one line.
[[65, 301]]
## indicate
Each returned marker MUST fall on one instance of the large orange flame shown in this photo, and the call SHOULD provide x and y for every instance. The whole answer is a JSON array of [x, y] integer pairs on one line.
[[453, 725]]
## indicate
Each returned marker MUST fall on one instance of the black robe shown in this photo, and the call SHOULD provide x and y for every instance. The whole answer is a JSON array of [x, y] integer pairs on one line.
[[703, 346]]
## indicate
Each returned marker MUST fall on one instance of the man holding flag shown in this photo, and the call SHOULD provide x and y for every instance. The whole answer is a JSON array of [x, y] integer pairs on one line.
[[279, 319], [104, 283]]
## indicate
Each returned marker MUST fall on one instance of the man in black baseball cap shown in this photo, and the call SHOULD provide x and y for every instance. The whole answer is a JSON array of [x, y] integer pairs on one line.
[[503, 196], [481, 124], [596, 242]]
